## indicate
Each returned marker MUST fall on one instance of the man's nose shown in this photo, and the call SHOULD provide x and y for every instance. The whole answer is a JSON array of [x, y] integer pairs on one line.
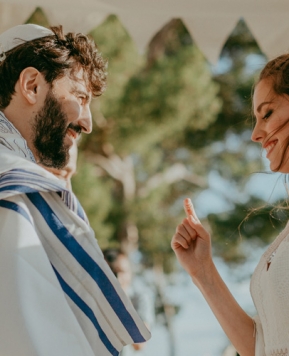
[[86, 121]]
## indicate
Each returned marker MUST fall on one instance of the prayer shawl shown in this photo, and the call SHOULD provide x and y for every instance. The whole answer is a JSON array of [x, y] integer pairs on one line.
[[58, 295]]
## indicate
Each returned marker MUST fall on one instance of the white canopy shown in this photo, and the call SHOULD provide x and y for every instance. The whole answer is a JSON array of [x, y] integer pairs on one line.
[[210, 22]]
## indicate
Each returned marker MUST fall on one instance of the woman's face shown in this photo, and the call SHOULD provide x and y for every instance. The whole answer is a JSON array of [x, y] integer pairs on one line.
[[272, 125]]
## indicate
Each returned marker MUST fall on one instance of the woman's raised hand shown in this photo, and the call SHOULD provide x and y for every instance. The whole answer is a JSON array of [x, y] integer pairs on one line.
[[192, 244]]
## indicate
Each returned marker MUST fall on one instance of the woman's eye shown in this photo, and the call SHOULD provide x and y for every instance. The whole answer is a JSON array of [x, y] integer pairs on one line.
[[267, 115]]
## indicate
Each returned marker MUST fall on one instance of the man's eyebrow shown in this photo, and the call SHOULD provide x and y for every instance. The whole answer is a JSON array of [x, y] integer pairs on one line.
[[81, 92]]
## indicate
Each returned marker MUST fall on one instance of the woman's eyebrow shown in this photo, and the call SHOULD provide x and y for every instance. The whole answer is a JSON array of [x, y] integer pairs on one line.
[[262, 104], [260, 107]]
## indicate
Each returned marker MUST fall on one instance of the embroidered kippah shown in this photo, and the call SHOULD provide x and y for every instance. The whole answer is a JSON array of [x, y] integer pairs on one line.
[[20, 34]]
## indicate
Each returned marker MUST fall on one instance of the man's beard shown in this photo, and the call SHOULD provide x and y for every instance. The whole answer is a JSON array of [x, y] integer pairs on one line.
[[49, 130]]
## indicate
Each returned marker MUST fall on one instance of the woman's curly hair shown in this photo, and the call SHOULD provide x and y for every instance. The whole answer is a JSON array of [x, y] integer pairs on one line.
[[54, 56]]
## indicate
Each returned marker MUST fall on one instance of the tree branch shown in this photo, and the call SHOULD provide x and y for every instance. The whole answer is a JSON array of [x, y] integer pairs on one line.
[[173, 174]]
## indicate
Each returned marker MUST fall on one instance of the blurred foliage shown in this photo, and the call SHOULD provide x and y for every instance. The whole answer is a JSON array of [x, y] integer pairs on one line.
[[123, 61], [95, 196], [38, 17], [166, 121], [241, 59], [260, 223], [139, 131]]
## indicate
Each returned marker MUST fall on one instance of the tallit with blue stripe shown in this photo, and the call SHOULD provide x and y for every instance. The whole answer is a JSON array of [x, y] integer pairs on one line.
[[52, 214]]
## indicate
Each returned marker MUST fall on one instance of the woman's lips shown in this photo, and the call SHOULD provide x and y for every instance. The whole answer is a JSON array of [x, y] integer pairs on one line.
[[270, 146]]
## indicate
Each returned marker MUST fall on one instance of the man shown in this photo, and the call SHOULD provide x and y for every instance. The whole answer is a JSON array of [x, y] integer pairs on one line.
[[57, 295]]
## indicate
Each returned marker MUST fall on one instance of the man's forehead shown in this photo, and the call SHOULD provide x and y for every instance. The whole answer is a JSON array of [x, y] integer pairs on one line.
[[75, 79], [79, 79], [78, 73]]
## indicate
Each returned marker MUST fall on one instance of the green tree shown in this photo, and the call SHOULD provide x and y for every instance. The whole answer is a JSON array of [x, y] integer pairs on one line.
[[138, 142], [38, 17]]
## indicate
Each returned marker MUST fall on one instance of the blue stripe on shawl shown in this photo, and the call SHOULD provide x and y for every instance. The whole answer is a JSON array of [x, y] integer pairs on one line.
[[80, 211], [29, 177], [21, 184], [15, 207], [87, 311], [19, 188], [88, 264]]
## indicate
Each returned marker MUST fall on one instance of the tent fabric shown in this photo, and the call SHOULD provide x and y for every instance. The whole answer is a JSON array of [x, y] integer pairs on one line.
[[209, 22]]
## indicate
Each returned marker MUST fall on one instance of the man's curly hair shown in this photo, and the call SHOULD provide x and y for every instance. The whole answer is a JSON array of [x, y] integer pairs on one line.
[[54, 56]]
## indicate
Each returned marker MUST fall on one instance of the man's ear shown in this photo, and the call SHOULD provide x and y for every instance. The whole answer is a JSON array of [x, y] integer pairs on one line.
[[30, 81]]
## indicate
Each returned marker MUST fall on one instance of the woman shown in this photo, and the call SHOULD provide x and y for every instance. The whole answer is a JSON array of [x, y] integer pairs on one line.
[[268, 332]]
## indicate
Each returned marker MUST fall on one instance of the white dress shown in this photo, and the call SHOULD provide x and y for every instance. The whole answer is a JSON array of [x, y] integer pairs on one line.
[[270, 293]]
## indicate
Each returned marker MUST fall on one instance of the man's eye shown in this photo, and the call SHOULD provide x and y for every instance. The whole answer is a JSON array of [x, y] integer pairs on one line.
[[267, 115]]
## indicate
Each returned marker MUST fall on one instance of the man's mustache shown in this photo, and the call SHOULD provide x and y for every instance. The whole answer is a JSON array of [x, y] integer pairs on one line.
[[75, 127]]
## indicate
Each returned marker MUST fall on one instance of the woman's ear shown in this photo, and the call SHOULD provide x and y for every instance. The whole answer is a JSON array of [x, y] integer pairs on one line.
[[30, 80]]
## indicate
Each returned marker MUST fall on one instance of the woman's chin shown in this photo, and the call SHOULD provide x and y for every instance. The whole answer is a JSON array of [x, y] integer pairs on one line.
[[284, 168]]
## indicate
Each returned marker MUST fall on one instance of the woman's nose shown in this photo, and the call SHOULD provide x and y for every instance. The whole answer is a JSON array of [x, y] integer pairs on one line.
[[257, 133]]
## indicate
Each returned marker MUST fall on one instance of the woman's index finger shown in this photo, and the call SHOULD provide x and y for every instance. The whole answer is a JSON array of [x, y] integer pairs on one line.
[[189, 208]]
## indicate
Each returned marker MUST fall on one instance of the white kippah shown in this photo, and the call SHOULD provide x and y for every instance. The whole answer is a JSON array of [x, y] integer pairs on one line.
[[20, 34]]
